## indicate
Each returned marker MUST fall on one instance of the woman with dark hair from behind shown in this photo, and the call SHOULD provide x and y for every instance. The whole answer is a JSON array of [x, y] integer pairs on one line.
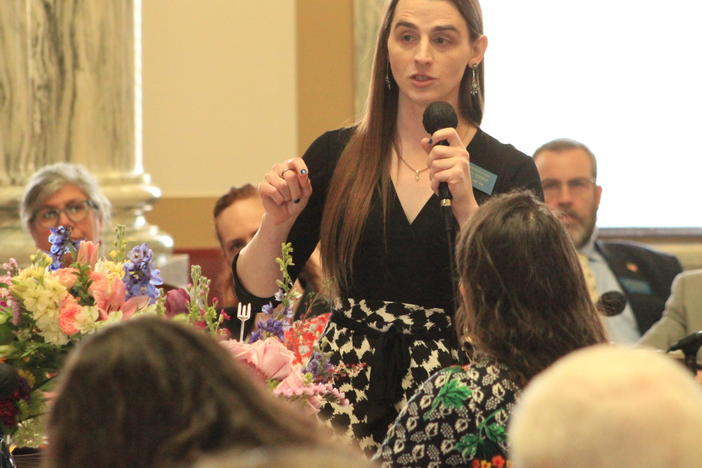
[[154, 393], [524, 305]]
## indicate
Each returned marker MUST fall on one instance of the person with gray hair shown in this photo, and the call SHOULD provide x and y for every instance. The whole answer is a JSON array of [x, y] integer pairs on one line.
[[64, 194], [606, 407]]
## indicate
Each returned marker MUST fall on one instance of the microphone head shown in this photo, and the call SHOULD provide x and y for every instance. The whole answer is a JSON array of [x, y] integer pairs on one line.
[[689, 344], [439, 115], [611, 303]]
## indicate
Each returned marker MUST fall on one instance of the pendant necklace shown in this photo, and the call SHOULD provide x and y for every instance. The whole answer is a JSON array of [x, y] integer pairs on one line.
[[416, 171]]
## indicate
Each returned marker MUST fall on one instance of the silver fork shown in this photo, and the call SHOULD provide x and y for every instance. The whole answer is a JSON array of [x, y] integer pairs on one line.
[[243, 313]]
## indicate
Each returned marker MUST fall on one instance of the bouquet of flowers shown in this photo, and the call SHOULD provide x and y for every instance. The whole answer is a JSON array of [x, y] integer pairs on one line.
[[52, 304], [269, 356]]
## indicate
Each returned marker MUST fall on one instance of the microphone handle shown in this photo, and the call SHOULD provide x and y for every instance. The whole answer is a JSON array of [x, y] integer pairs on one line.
[[444, 192]]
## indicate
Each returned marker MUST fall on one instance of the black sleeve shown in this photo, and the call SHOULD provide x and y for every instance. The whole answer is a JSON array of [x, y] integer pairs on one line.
[[321, 158], [526, 176]]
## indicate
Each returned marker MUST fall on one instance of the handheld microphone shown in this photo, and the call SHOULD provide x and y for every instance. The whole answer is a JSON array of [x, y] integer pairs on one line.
[[689, 344], [436, 116], [611, 303]]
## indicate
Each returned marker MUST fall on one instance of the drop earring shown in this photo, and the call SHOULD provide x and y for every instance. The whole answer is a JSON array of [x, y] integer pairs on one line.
[[474, 84], [388, 84]]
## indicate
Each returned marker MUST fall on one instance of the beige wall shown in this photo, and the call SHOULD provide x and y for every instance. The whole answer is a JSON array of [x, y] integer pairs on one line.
[[231, 87]]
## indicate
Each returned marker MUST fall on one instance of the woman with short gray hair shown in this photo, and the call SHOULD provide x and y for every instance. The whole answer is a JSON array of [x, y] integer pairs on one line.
[[64, 194]]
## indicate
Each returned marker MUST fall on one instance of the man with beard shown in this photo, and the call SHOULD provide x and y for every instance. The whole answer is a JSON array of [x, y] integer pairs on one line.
[[568, 171]]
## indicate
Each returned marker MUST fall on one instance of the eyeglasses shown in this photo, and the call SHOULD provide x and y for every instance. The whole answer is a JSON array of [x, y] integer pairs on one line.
[[577, 186], [75, 211]]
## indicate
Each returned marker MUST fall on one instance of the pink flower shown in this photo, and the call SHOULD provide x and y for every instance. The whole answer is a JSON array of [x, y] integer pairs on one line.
[[66, 276], [177, 302], [67, 315], [132, 305], [88, 253], [292, 385], [269, 357], [109, 295]]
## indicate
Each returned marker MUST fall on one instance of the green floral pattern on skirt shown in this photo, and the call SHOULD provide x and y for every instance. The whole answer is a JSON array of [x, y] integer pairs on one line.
[[458, 417]]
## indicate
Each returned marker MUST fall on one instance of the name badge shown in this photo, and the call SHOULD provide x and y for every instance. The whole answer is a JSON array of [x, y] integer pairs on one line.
[[482, 179], [636, 286]]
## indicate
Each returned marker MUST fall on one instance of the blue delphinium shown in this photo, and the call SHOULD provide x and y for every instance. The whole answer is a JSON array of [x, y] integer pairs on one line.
[[61, 243], [139, 277], [267, 309], [270, 327]]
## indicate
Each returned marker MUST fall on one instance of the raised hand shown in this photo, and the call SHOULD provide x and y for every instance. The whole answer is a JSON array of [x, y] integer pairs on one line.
[[285, 190]]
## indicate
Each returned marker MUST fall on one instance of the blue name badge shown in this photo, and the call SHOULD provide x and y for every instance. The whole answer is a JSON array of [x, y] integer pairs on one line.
[[482, 179], [636, 286]]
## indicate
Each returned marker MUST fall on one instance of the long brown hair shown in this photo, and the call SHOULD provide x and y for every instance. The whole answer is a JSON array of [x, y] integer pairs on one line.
[[151, 392], [525, 301], [363, 169]]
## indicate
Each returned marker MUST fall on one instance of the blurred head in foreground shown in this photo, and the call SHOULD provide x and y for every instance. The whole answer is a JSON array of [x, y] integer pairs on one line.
[[609, 407], [151, 392]]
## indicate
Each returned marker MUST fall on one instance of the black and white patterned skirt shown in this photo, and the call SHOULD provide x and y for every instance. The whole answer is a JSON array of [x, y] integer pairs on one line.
[[398, 347]]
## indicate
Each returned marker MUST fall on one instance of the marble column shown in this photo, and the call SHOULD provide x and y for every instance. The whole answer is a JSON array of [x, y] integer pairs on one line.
[[70, 90]]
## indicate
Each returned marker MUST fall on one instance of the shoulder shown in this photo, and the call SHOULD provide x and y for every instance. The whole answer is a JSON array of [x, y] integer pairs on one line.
[[476, 381], [513, 169], [495, 149], [689, 278], [635, 250], [332, 141], [323, 153]]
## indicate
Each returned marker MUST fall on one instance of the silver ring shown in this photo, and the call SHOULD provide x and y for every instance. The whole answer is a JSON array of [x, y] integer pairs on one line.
[[282, 174]]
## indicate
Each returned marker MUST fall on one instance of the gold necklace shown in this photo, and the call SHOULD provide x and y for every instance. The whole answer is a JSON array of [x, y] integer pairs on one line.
[[416, 171]]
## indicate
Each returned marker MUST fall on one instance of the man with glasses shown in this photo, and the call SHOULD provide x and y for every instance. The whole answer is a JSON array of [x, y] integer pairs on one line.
[[568, 171], [64, 194]]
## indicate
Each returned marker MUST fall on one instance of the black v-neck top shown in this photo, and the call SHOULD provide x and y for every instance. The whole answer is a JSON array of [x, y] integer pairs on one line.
[[413, 265]]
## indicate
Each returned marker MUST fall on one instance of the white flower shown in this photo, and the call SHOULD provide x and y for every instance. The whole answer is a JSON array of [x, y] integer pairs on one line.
[[110, 269], [52, 334], [112, 318], [86, 320]]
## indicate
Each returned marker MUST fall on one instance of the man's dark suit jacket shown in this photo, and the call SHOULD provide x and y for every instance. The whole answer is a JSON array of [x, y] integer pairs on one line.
[[645, 276]]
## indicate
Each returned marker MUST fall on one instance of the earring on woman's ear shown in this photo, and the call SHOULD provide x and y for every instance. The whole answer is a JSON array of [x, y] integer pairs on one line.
[[388, 84], [474, 84]]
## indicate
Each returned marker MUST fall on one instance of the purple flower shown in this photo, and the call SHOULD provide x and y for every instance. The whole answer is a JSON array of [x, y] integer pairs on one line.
[[140, 278], [61, 243], [270, 327], [320, 367], [288, 312], [279, 295], [267, 309]]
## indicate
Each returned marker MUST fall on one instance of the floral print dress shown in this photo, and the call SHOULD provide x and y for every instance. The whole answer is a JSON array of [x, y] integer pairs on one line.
[[458, 417]]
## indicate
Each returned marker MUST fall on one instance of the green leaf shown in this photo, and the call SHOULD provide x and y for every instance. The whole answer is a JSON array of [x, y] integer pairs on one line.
[[453, 394], [496, 433], [468, 446]]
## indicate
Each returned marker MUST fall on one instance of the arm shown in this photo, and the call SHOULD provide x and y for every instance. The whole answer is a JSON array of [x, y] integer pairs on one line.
[[673, 325], [285, 191], [298, 223]]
